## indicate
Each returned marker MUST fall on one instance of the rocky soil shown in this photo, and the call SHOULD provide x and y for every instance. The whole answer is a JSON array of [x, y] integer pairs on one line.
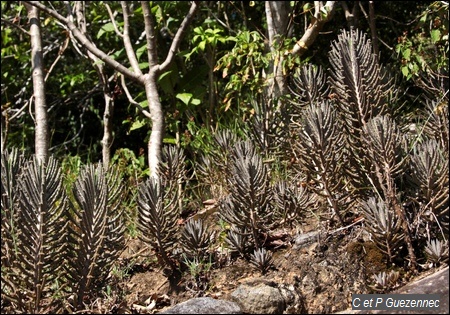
[[315, 271]]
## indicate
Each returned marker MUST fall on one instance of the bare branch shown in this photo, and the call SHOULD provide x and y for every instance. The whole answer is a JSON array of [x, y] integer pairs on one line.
[[62, 49], [131, 100], [16, 26], [88, 43], [126, 38], [150, 34], [113, 21], [177, 39], [313, 29]]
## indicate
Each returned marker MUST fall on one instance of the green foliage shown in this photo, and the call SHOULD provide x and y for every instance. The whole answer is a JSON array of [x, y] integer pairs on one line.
[[133, 170], [131, 167], [244, 64], [207, 39], [425, 49], [199, 271]]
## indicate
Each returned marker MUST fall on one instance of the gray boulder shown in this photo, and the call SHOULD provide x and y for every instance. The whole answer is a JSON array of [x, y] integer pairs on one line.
[[204, 305], [267, 297]]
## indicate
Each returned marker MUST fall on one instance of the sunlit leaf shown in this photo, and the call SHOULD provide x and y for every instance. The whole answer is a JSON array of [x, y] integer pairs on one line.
[[143, 65], [435, 36], [184, 97], [170, 140], [144, 104], [109, 27], [407, 54], [137, 124], [162, 76]]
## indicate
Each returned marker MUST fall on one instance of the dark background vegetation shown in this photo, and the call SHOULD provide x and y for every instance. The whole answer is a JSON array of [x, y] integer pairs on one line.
[[75, 99]]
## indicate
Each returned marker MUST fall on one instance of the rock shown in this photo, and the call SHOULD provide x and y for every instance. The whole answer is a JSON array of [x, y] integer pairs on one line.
[[305, 239], [204, 305], [266, 297], [259, 299]]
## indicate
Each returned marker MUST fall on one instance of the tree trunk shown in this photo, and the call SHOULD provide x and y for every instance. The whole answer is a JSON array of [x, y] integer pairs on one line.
[[316, 25], [277, 14], [107, 94], [149, 80], [157, 117], [37, 64], [373, 28]]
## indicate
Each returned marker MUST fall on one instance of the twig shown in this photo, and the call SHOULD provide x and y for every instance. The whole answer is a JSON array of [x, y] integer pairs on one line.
[[360, 219]]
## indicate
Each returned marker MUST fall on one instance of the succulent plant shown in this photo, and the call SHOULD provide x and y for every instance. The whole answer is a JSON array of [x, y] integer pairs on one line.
[[384, 282], [195, 239], [97, 229], [157, 220], [247, 207], [437, 251], [261, 259], [383, 225]]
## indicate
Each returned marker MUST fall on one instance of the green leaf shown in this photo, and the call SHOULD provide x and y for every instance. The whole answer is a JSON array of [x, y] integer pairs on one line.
[[324, 13], [170, 140], [405, 71], [162, 76], [435, 36], [143, 65], [144, 104], [137, 124], [407, 54], [307, 7], [423, 19], [202, 45], [108, 27], [117, 54], [140, 51], [184, 97]]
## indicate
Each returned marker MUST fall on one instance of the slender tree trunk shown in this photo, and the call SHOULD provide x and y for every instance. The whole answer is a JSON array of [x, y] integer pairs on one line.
[[277, 14], [37, 64], [107, 128], [315, 26], [107, 94], [373, 28], [157, 118], [149, 80]]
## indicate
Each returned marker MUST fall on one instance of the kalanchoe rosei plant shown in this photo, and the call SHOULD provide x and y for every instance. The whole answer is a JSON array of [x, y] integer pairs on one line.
[[157, 220], [11, 166], [195, 239], [308, 86], [386, 147], [291, 201], [97, 229], [384, 226], [261, 259], [248, 207], [361, 88], [321, 153], [36, 231]]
